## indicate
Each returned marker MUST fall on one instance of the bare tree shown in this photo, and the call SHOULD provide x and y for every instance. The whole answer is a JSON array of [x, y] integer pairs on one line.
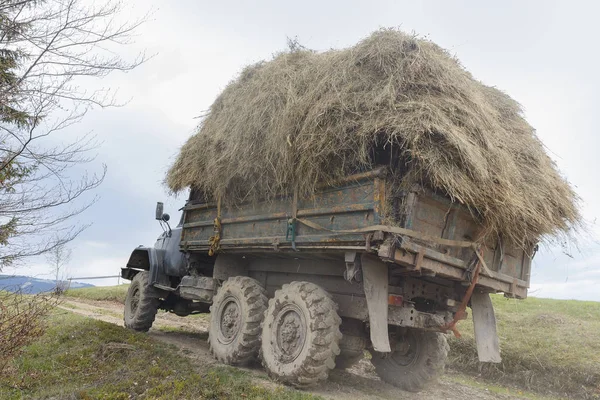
[[48, 50], [58, 258]]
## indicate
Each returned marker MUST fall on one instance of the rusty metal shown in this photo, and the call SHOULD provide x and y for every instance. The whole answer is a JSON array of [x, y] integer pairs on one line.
[[405, 316], [251, 218], [460, 314], [265, 223], [354, 203], [455, 262], [379, 197], [408, 316], [444, 267], [395, 300]]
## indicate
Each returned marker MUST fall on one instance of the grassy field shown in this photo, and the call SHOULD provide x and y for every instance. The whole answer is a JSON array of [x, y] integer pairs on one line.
[[548, 346], [99, 293], [84, 358]]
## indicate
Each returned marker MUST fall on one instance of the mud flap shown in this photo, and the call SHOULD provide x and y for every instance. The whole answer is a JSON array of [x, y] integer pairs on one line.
[[484, 322], [375, 282]]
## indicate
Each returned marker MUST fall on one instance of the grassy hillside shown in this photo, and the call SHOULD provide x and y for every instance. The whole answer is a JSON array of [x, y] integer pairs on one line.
[[84, 358], [99, 293], [550, 346]]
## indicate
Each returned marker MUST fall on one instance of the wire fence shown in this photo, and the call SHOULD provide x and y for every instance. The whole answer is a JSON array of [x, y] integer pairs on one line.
[[87, 278]]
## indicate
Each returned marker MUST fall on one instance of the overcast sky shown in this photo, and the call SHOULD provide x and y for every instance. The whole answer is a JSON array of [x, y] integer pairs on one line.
[[542, 53]]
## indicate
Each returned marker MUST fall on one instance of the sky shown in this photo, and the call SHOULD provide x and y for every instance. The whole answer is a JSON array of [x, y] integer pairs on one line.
[[539, 52]]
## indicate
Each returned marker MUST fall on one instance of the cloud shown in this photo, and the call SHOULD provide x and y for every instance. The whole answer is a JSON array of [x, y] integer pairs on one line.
[[188, 72], [95, 244], [579, 290], [99, 267]]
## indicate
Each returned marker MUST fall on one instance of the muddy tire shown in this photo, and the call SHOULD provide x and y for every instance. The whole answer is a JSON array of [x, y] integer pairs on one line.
[[235, 316], [300, 335], [141, 303], [417, 361]]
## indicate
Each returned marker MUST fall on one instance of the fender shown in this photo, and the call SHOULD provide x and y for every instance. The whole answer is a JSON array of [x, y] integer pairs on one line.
[[375, 283], [484, 323], [149, 259]]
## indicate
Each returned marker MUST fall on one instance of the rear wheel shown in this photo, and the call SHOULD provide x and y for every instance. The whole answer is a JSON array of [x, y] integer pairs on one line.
[[141, 303], [353, 343], [235, 316], [300, 335], [417, 360], [351, 351]]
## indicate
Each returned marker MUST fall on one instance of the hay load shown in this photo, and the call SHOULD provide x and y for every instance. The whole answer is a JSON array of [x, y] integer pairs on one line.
[[306, 118]]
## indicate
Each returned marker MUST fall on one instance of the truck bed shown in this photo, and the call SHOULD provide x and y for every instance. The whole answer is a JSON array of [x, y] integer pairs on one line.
[[357, 203]]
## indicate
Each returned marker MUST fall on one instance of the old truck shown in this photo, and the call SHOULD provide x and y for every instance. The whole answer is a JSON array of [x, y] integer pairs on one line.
[[307, 285]]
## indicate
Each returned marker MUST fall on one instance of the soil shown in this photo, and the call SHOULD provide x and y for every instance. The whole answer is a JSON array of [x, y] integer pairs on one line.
[[190, 334]]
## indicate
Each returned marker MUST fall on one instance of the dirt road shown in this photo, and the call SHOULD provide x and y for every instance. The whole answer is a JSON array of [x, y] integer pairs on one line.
[[189, 335]]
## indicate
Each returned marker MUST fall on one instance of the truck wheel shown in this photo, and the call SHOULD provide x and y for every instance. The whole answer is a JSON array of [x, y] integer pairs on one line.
[[417, 360], [141, 303], [236, 313], [351, 351], [353, 343], [300, 335]]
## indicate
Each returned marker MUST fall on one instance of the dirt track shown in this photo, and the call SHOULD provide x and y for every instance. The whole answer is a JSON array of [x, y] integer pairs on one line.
[[359, 382]]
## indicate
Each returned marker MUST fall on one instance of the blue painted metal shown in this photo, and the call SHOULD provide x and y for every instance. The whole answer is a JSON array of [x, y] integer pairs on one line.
[[355, 203], [358, 201]]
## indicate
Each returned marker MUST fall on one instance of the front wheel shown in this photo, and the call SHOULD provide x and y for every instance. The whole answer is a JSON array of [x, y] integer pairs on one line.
[[141, 303], [417, 360]]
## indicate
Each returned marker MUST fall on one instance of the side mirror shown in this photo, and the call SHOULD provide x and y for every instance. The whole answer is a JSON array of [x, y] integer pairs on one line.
[[166, 217], [159, 210]]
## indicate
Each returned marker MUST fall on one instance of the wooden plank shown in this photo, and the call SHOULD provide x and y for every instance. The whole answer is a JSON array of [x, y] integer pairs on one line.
[[484, 323]]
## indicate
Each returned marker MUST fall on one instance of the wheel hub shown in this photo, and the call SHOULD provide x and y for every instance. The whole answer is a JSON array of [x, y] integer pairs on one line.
[[406, 350], [290, 333], [230, 320]]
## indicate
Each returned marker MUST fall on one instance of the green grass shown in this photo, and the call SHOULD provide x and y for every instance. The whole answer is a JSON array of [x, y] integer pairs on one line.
[[549, 346], [99, 293], [84, 358]]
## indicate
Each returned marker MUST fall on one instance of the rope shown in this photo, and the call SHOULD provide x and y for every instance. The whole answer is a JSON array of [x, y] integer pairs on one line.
[[393, 229], [406, 232], [291, 231], [215, 239], [460, 314]]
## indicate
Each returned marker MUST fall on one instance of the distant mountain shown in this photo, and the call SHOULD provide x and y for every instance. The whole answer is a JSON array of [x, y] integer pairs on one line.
[[27, 284]]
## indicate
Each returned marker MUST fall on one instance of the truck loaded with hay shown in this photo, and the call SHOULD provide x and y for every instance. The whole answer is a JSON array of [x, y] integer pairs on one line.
[[348, 200]]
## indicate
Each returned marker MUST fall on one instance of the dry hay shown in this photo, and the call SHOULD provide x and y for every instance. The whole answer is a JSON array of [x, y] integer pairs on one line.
[[305, 118]]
